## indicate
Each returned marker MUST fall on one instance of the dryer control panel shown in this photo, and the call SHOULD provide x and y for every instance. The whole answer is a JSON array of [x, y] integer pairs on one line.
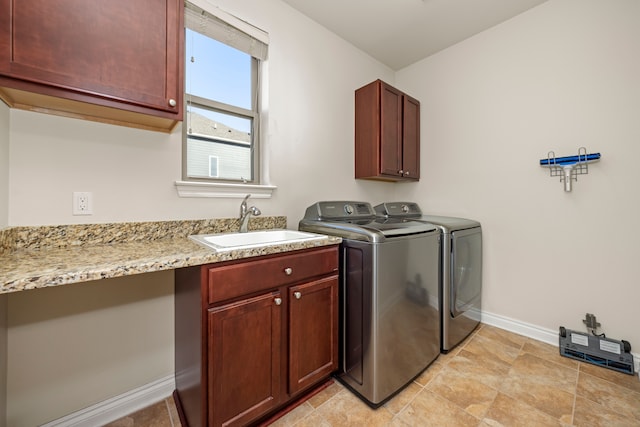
[[399, 209]]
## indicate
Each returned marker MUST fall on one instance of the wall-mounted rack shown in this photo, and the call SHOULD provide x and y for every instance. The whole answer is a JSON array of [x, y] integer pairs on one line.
[[568, 168]]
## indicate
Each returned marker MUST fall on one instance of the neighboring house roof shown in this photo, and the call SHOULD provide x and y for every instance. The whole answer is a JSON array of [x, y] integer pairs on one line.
[[199, 124]]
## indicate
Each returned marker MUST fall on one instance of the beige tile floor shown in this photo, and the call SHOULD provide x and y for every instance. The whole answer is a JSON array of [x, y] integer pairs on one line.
[[494, 378]]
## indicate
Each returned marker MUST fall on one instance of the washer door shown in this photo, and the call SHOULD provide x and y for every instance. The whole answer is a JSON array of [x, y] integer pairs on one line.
[[466, 270]]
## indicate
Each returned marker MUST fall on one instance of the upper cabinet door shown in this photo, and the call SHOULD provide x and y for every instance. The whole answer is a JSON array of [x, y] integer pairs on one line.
[[411, 138], [117, 53], [387, 134], [390, 130]]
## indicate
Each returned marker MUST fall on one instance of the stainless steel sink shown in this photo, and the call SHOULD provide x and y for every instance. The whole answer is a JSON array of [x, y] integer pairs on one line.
[[253, 239]]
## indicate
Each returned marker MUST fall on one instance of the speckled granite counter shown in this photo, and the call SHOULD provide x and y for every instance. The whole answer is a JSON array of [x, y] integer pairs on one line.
[[38, 257]]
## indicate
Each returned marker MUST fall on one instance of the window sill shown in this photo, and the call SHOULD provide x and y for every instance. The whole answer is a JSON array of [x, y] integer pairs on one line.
[[221, 190]]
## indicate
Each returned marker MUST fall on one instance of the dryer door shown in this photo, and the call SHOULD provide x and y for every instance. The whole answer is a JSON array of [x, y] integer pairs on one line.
[[466, 270]]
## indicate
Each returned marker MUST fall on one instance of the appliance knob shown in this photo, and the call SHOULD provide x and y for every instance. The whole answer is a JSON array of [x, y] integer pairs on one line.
[[278, 301], [348, 209], [405, 209], [298, 295], [288, 271]]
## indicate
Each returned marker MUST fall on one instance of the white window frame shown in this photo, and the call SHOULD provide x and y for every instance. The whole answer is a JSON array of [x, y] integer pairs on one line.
[[246, 37]]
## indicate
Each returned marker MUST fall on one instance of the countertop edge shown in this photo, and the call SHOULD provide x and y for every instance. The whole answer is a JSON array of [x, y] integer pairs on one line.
[[120, 263]]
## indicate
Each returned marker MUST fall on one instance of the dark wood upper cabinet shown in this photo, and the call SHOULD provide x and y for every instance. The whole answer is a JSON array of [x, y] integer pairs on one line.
[[387, 134], [116, 61]]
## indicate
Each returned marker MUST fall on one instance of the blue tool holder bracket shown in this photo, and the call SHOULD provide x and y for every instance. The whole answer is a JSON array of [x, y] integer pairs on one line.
[[568, 168]]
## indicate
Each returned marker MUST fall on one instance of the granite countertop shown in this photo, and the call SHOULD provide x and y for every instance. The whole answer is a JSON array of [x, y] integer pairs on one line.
[[38, 257]]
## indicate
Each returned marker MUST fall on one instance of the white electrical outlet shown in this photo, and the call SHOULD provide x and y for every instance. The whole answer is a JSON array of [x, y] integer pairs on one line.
[[82, 203]]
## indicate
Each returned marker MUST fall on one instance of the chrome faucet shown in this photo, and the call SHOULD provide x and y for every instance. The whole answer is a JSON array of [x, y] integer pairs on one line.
[[245, 213]]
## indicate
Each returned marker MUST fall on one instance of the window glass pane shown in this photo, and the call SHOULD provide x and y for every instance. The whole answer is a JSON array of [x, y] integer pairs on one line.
[[213, 166], [217, 71], [224, 136]]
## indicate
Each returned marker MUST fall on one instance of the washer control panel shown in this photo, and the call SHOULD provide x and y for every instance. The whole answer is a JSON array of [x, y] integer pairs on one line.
[[340, 210]]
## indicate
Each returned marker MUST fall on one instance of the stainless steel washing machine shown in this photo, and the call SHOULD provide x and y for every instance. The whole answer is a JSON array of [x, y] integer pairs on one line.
[[461, 269], [389, 308]]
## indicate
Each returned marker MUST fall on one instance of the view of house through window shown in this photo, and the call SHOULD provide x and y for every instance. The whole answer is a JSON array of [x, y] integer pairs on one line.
[[221, 119]]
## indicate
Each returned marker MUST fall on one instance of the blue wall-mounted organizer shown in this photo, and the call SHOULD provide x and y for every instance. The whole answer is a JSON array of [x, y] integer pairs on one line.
[[568, 168]]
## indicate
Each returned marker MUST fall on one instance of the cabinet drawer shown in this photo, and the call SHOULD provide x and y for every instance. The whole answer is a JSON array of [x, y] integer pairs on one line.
[[255, 275]]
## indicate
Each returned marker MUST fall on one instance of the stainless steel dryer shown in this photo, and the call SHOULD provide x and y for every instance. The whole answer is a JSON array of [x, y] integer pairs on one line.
[[461, 269], [389, 308]]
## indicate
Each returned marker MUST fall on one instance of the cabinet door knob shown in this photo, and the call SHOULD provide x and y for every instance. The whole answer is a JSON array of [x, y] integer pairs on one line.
[[298, 295], [400, 171], [172, 102], [278, 301], [407, 173], [288, 271]]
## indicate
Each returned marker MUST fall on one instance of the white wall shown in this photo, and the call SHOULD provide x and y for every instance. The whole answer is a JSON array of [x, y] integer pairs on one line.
[[4, 210], [312, 75], [73, 346], [3, 360], [309, 146], [563, 75], [560, 76], [4, 165]]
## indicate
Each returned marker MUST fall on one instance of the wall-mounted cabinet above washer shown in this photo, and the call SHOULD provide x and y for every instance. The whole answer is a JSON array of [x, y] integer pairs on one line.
[[387, 134], [114, 61]]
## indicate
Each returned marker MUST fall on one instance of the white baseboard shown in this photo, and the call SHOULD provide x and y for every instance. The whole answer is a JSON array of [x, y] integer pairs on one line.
[[134, 400], [119, 406], [535, 332]]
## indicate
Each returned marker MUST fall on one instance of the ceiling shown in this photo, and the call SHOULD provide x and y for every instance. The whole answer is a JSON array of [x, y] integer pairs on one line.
[[401, 32]]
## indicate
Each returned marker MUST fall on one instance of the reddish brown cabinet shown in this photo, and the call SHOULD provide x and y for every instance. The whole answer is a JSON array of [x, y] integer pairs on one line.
[[387, 134], [244, 355], [117, 61], [313, 312], [255, 334]]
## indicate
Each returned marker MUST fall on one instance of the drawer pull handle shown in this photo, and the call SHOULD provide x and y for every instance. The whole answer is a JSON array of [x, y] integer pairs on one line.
[[298, 295], [278, 301], [288, 271]]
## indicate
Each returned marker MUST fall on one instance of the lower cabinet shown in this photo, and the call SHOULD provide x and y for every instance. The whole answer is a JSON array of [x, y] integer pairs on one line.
[[245, 355], [313, 312]]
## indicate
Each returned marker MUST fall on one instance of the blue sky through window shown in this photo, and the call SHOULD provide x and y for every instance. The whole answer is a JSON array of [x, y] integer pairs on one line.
[[218, 72]]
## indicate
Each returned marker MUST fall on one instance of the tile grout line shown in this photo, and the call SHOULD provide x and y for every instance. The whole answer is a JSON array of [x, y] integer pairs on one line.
[[168, 408], [575, 394], [521, 351], [315, 409], [458, 348], [610, 383]]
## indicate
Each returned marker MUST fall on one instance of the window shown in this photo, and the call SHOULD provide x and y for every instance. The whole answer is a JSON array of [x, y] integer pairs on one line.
[[222, 97], [213, 166]]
